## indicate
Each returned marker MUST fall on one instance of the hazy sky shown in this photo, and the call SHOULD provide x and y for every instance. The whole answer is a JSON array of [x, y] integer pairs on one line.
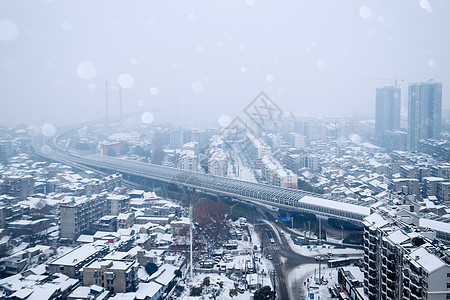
[[190, 61]]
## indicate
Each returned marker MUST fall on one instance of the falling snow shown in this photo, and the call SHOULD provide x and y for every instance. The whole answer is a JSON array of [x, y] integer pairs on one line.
[[431, 63], [270, 77], [365, 12], [197, 86], [126, 81], [48, 130], [9, 31], [154, 90], [321, 64], [147, 117], [224, 120], [86, 70]]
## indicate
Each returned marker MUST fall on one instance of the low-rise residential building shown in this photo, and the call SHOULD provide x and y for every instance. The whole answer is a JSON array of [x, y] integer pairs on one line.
[[72, 262], [406, 186], [430, 186], [78, 214], [188, 161], [125, 220], [351, 281], [258, 148], [117, 204], [217, 162], [117, 276], [443, 191]]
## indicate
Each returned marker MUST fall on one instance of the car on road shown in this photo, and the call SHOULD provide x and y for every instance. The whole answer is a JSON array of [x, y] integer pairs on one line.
[[269, 257], [272, 241], [318, 257]]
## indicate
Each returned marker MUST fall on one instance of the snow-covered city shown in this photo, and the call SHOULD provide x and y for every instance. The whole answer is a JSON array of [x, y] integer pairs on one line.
[[253, 149]]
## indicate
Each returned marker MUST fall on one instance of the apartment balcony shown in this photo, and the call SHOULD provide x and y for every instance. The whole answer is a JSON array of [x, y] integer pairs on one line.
[[416, 291], [391, 258], [406, 293], [415, 280], [391, 275], [373, 290], [391, 266], [406, 283]]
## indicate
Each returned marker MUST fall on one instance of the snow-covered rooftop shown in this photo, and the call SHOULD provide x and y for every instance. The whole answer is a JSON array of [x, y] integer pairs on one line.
[[336, 205]]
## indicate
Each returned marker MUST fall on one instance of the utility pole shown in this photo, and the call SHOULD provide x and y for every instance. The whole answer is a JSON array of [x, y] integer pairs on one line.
[[320, 271], [190, 240], [309, 228], [274, 281], [320, 232]]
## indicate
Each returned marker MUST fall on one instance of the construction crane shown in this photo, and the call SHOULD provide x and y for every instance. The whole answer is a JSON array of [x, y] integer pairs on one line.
[[396, 80]]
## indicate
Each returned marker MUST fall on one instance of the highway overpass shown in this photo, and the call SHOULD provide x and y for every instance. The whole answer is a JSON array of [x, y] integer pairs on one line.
[[289, 199]]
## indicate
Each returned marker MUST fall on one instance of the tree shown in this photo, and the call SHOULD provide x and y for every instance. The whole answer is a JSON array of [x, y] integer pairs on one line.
[[138, 150], [151, 268], [158, 141], [233, 293], [196, 291], [211, 215], [264, 293], [177, 273], [206, 281]]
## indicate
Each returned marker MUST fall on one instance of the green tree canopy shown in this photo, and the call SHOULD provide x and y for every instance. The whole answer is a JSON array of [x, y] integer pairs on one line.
[[151, 268], [264, 293]]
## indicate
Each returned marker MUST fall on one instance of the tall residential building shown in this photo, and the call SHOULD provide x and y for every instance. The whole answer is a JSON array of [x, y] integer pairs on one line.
[[402, 261], [424, 112], [387, 109]]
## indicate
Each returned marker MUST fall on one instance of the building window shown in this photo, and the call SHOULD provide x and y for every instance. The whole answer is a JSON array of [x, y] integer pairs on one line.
[[448, 285]]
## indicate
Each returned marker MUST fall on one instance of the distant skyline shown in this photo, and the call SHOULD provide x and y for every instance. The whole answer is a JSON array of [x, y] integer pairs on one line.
[[424, 112], [198, 61]]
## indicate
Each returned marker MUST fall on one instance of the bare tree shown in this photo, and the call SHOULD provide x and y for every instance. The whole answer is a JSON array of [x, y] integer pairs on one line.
[[211, 215]]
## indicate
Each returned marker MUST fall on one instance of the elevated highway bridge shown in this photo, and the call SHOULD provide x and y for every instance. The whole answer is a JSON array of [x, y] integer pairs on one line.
[[288, 199]]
